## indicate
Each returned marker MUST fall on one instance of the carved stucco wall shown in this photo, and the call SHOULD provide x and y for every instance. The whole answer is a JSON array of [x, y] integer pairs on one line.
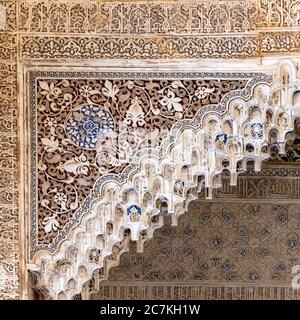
[[9, 208], [65, 160], [241, 245], [57, 32]]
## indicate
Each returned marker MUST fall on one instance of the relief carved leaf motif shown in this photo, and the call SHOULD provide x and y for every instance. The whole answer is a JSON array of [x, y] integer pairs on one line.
[[171, 101], [50, 144], [110, 90], [77, 165], [50, 223]]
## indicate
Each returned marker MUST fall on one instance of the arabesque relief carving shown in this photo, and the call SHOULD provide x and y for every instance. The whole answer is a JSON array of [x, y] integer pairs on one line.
[[159, 17], [9, 207], [175, 29]]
